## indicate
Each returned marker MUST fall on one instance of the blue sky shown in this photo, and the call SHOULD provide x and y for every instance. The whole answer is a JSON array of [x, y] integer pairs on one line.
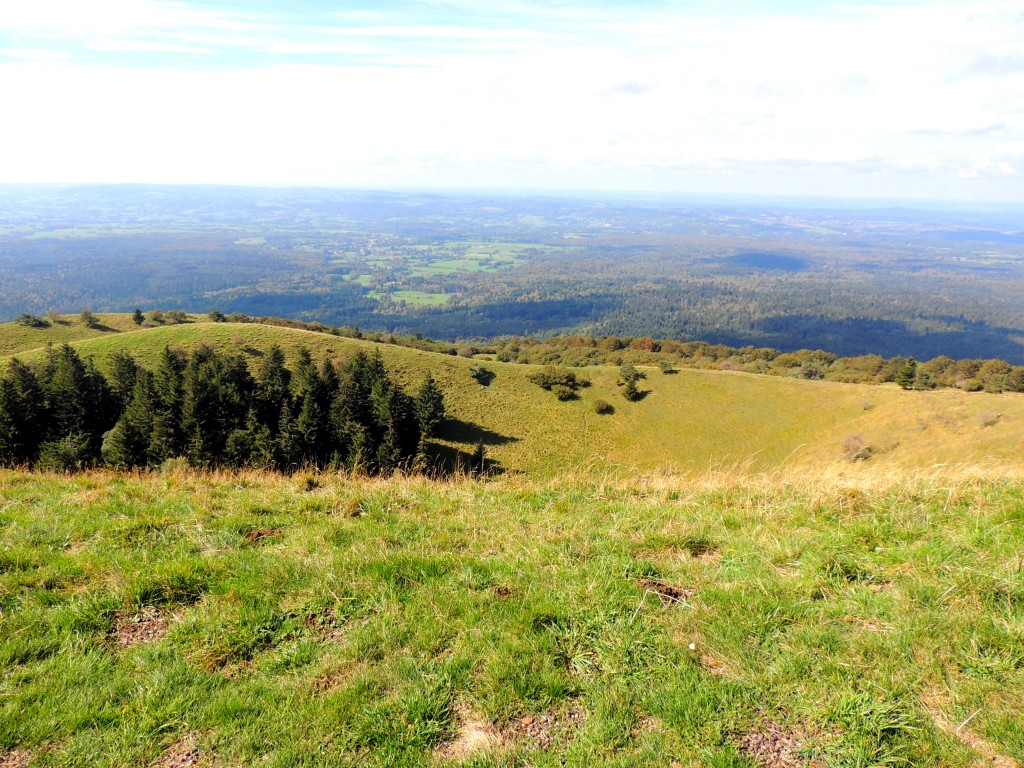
[[861, 99]]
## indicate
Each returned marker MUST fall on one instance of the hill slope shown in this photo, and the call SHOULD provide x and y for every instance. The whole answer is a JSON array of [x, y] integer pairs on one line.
[[690, 421]]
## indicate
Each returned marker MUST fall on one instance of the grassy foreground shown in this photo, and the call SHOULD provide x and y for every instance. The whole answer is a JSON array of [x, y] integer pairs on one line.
[[226, 620]]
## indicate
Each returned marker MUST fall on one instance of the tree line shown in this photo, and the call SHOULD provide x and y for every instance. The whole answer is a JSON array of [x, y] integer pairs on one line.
[[206, 407]]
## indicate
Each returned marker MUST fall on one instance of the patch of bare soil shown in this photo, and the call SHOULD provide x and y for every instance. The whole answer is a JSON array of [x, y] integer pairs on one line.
[[646, 725], [668, 593], [16, 758], [475, 735], [542, 730], [259, 535], [147, 626], [182, 754], [327, 625], [771, 746], [990, 755], [503, 591], [335, 677], [716, 665]]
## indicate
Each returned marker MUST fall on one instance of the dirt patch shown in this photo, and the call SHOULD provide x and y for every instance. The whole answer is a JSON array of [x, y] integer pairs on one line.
[[541, 731], [147, 626], [475, 735], [668, 593], [184, 753], [772, 746], [934, 702], [503, 591], [715, 665], [646, 725], [336, 677], [16, 758], [326, 624], [260, 535]]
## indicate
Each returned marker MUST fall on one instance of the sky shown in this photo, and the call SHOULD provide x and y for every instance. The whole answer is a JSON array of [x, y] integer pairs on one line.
[[919, 99]]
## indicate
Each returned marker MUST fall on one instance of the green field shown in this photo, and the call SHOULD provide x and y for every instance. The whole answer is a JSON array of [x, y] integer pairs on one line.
[[701, 578], [245, 619]]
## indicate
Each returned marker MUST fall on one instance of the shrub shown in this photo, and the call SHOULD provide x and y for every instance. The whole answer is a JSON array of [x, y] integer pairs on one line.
[[481, 375], [603, 408], [551, 376], [856, 447], [564, 393], [31, 321], [631, 392], [66, 455]]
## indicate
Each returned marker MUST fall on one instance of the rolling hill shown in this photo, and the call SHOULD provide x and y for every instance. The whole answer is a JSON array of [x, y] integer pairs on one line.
[[689, 422]]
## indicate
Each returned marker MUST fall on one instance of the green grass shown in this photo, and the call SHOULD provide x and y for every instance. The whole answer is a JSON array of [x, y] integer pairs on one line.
[[336, 621], [697, 579], [18, 339], [689, 422]]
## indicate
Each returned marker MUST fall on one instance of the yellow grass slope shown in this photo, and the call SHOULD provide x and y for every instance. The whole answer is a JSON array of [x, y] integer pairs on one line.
[[688, 423]]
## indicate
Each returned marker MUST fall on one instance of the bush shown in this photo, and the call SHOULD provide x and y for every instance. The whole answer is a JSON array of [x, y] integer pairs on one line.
[[32, 321], [72, 453], [603, 408], [481, 375], [856, 447], [564, 393], [551, 376]]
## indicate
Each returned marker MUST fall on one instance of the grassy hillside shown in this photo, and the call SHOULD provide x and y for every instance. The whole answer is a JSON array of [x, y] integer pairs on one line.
[[251, 619], [691, 421], [17, 339]]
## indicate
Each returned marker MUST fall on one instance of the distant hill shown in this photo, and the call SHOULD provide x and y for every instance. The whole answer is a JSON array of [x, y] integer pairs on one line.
[[689, 421]]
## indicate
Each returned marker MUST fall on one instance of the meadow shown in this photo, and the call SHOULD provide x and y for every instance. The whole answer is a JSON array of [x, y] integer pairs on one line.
[[240, 619], [704, 577]]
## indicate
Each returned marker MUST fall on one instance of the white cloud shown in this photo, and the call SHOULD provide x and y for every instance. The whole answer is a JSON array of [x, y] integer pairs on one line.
[[864, 97]]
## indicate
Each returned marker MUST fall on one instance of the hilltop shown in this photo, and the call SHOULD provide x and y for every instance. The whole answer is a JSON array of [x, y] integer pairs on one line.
[[689, 421]]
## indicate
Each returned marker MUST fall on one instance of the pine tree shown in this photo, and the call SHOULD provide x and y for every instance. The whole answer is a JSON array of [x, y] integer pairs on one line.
[[907, 373], [289, 440], [128, 443], [272, 387], [478, 460], [123, 370], [430, 410], [22, 415], [169, 389]]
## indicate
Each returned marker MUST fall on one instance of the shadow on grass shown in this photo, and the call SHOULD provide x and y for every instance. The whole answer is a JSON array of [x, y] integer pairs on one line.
[[640, 395], [459, 431], [447, 461]]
